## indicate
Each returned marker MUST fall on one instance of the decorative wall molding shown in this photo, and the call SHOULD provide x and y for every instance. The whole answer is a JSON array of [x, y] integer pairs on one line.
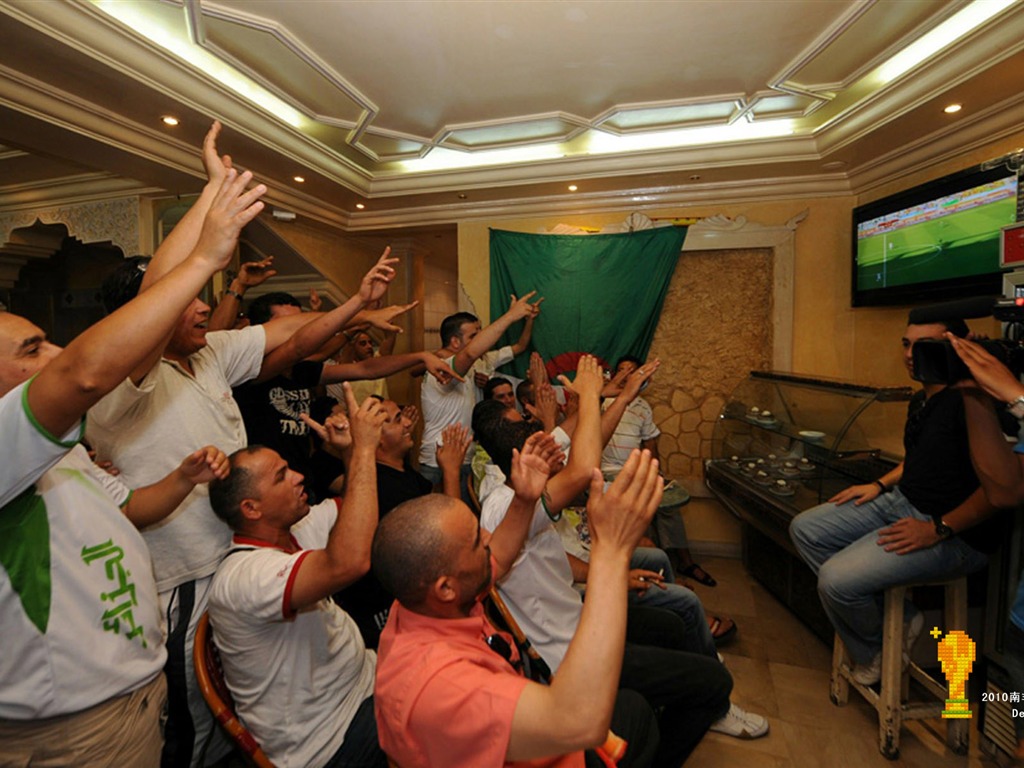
[[115, 221]]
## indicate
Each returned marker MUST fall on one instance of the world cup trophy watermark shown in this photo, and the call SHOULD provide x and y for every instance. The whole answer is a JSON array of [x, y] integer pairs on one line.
[[957, 653]]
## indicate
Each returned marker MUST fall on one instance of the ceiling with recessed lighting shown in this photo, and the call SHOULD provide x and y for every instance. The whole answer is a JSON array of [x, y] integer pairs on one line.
[[417, 112]]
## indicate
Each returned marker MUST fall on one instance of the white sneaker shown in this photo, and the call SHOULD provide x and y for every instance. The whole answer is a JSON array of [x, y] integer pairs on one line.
[[870, 673], [740, 724]]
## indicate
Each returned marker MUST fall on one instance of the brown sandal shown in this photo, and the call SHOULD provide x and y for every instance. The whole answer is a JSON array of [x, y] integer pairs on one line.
[[722, 629]]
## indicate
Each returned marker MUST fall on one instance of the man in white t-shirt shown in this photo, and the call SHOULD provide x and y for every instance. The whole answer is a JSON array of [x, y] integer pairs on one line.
[[464, 344], [80, 680], [175, 400], [301, 677]]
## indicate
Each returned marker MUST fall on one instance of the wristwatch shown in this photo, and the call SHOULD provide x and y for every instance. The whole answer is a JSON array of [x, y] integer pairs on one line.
[[1016, 407], [943, 531]]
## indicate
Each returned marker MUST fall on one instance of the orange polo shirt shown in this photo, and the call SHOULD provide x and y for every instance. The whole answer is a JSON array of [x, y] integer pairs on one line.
[[444, 699]]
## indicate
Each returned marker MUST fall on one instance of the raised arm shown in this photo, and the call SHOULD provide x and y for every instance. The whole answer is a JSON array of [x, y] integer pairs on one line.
[[151, 504], [586, 444], [530, 471], [626, 392], [250, 274], [588, 678], [347, 555], [451, 452], [527, 333], [180, 241], [378, 367], [488, 337], [102, 356], [283, 351], [1000, 471]]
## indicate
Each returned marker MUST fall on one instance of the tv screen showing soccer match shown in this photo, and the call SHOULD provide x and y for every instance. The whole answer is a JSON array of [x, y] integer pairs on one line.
[[939, 240]]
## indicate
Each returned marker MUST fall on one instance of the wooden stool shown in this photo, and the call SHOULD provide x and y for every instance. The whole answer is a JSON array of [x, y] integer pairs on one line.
[[891, 699]]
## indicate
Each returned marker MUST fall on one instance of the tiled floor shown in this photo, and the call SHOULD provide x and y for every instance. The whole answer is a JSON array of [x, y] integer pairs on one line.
[[781, 670]]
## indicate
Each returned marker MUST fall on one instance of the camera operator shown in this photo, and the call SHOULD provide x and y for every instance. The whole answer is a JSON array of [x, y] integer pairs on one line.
[[1000, 470]]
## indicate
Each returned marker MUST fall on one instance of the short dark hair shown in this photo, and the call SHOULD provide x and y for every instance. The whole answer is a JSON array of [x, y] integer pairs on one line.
[[227, 494], [122, 285], [524, 392], [498, 435], [261, 309], [629, 359], [492, 384], [410, 549], [927, 316], [452, 325]]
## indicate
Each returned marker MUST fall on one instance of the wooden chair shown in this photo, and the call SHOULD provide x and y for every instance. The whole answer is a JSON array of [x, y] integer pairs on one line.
[[210, 676]]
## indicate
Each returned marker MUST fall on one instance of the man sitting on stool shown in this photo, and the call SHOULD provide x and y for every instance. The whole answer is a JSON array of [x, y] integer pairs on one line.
[[926, 519]]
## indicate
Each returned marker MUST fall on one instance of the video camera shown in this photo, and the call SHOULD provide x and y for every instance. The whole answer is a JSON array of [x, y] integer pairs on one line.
[[936, 362]]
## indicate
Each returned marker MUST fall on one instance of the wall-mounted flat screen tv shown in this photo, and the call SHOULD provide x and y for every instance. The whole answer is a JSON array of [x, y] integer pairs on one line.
[[936, 241]]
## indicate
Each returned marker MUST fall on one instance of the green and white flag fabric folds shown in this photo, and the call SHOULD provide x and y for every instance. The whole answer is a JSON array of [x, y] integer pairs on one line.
[[602, 293]]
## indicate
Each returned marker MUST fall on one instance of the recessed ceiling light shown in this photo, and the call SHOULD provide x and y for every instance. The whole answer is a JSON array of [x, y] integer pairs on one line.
[[573, 187], [949, 110], [695, 177], [463, 195], [834, 165], [170, 120], [360, 206], [299, 179]]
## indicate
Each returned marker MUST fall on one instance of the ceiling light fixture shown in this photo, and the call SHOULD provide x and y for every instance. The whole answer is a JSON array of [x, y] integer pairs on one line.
[[146, 19], [953, 108], [573, 187], [360, 206], [300, 179], [951, 30], [169, 120]]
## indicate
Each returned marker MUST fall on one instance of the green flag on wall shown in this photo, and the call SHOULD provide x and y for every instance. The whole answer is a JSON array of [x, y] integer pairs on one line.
[[602, 293]]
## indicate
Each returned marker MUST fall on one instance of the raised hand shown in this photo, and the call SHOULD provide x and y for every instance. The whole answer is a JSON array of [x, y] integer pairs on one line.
[[232, 209], [455, 439], [365, 420], [589, 379], [990, 374], [530, 468], [315, 302], [522, 308], [334, 431], [204, 465], [412, 413], [383, 318], [635, 381], [537, 373], [216, 165], [375, 282], [439, 369], [545, 408], [620, 516], [253, 273]]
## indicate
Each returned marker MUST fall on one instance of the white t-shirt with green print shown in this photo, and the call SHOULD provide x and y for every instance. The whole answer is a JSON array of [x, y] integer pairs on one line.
[[78, 603]]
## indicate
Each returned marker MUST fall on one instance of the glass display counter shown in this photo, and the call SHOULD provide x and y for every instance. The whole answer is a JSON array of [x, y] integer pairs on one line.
[[784, 443]]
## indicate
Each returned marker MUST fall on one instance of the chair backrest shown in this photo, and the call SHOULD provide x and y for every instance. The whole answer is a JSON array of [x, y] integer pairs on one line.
[[210, 676], [534, 667]]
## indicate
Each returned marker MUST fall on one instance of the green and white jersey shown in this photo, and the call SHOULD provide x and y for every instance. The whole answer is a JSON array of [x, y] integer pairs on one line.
[[78, 603]]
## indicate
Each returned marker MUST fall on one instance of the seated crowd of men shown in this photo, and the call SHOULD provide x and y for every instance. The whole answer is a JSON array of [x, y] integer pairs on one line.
[[298, 525]]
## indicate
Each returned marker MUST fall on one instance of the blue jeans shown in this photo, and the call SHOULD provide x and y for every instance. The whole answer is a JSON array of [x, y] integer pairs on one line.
[[679, 600], [840, 544]]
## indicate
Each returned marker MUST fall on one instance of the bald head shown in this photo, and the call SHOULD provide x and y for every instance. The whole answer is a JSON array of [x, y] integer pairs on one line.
[[418, 542]]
